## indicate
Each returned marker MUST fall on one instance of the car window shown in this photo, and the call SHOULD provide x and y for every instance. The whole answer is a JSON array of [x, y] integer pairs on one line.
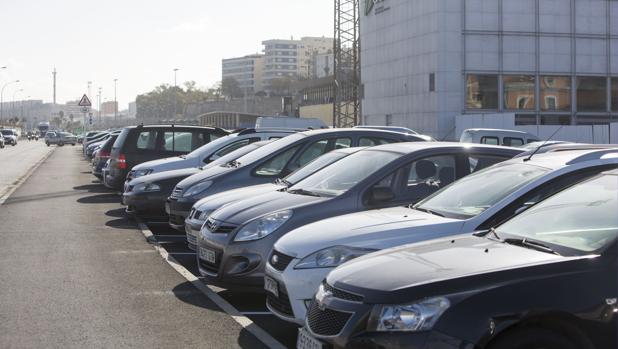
[[513, 142], [490, 140], [314, 166], [481, 162], [425, 176], [373, 141], [181, 142], [236, 145], [582, 217], [146, 140], [343, 143], [312, 152], [275, 166]]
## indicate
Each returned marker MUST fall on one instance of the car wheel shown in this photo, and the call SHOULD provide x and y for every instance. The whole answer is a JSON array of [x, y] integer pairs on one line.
[[532, 338], [47, 143], [73, 144]]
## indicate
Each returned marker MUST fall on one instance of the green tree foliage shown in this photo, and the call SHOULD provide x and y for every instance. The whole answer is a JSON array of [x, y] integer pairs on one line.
[[167, 102], [231, 88]]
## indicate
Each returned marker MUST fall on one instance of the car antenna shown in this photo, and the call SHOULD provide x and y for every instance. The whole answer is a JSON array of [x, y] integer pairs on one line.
[[543, 144]]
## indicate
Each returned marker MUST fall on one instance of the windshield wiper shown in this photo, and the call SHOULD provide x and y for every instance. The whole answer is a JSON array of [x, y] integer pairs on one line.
[[426, 210], [234, 164], [530, 244], [304, 192], [281, 181]]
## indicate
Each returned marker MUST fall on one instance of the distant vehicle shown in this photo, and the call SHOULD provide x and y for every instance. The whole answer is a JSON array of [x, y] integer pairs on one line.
[[10, 136], [138, 144], [32, 136], [60, 138], [508, 138], [43, 127], [1, 142], [546, 278], [289, 123]]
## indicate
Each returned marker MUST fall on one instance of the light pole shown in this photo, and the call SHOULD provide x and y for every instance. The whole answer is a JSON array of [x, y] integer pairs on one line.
[[115, 101], [13, 101], [2, 98]]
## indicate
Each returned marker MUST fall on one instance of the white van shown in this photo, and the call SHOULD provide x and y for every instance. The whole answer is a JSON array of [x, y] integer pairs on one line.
[[508, 138], [289, 123]]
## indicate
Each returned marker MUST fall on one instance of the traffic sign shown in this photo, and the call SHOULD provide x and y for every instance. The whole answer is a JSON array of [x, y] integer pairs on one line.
[[85, 102], [85, 109]]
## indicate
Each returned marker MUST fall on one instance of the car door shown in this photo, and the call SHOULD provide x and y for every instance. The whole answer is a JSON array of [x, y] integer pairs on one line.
[[143, 145]]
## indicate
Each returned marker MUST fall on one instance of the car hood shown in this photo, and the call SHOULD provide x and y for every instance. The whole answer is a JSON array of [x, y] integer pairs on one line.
[[241, 211], [169, 162], [442, 266], [216, 201], [208, 173], [165, 176], [374, 229]]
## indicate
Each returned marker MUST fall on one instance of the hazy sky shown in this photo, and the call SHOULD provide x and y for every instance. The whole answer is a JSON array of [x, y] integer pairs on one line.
[[139, 42]]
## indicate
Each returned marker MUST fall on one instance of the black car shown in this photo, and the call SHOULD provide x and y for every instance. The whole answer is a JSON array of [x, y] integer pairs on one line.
[[102, 155], [273, 161], [545, 279], [138, 144]]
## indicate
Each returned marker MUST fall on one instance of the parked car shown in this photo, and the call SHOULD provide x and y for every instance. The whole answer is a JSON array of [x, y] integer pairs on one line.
[[509, 138], [138, 144], [59, 138], [203, 208], [102, 155], [96, 144], [208, 153], [236, 240], [395, 129], [148, 194], [273, 161], [479, 201], [10, 136], [98, 137], [1, 141], [546, 278]]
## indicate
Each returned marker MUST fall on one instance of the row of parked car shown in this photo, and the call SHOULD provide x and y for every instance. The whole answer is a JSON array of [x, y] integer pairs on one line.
[[384, 238]]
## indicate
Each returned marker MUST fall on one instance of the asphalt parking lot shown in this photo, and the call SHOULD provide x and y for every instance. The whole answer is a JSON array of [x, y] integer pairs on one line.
[[83, 274]]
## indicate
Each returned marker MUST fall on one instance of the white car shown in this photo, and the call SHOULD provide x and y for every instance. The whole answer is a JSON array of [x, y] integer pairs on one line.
[[209, 152], [302, 258]]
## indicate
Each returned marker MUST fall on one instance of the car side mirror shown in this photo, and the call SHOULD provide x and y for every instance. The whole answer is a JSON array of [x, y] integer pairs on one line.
[[379, 195]]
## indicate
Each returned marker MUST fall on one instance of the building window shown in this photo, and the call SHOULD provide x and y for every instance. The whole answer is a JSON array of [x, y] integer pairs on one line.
[[591, 94], [525, 119], [555, 93], [594, 119], [519, 92], [555, 119], [614, 94], [482, 92], [389, 119], [432, 82]]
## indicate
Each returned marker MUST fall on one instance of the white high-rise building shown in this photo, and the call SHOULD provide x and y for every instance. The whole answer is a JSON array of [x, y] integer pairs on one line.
[[547, 62], [246, 70]]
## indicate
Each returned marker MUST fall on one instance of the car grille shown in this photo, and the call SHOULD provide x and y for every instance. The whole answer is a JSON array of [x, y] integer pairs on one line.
[[280, 304], [337, 293], [326, 322], [176, 193], [192, 239], [282, 260], [215, 228]]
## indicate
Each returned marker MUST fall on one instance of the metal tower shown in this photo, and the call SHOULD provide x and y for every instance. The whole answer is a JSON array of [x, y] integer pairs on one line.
[[347, 108]]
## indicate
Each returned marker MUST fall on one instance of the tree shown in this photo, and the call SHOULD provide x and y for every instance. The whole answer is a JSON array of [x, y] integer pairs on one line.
[[231, 88], [280, 86]]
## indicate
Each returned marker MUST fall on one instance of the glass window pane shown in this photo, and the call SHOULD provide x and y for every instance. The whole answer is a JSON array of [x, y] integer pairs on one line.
[[556, 93], [343, 143], [147, 140], [614, 94], [490, 140], [312, 153], [591, 94], [372, 142], [519, 92], [555, 119], [482, 92], [513, 142], [274, 166], [594, 119], [178, 141]]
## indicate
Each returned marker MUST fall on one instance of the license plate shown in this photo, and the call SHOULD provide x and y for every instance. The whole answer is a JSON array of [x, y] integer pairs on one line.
[[271, 286], [306, 341], [209, 256], [167, 208]]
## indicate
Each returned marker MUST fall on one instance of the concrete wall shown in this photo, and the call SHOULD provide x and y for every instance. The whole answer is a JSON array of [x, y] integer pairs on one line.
[[323, 112]]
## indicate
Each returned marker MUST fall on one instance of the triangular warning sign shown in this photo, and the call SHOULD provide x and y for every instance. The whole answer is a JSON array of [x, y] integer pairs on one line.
[[85, 102]]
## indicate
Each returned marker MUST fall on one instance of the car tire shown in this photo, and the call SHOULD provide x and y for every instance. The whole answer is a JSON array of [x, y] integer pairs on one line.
[[532, 338], [47, 143]]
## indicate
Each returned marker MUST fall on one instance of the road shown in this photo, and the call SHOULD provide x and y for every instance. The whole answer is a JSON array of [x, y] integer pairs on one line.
[[75, 272], [15, 161]]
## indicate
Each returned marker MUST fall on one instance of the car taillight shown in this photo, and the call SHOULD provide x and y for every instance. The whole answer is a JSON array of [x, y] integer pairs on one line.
[[104, 154], [122, 162]]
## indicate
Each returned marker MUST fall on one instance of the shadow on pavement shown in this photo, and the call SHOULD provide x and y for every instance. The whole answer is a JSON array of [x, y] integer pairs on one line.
[[93, 188], [121, 223], [117, 213], [40, 197], [248, 341], [187, 293], [100, 199]]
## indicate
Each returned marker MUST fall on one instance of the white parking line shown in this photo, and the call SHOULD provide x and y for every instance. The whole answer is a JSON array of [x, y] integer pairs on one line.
[[249, 313], [241, 319], [182, 253]]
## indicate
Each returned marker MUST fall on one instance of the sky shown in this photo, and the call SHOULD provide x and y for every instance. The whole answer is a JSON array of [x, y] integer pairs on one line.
[[139, 42]]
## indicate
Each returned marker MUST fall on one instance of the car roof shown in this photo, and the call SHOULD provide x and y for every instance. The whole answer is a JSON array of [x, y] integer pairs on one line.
[[497, 130], [179, 126], [360, 131], [408, 147], [556, 160]]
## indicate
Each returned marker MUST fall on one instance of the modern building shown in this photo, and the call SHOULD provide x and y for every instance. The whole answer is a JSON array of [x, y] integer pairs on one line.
[[132, 111], [429, 65], [247, 70], [109, 108]]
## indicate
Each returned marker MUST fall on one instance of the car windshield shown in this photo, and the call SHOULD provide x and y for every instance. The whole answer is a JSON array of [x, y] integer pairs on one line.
[[314, 166], [7, 132], [473, 194], [269, 149], [211, 147], [338, 178], [583, 217], [236, 154]]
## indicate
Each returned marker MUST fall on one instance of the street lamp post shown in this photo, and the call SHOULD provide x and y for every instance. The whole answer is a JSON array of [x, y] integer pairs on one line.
[[2, 98], [115, 101]]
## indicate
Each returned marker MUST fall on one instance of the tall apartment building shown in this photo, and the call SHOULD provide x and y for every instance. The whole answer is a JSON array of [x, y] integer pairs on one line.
[[247, 70], [293, 58], [426, 64]]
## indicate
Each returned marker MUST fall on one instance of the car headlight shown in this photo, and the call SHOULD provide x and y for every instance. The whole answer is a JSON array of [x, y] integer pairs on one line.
[[415, 317], [147, 187], [141, 173], [197, 189], [332, 257], [263, 226]]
